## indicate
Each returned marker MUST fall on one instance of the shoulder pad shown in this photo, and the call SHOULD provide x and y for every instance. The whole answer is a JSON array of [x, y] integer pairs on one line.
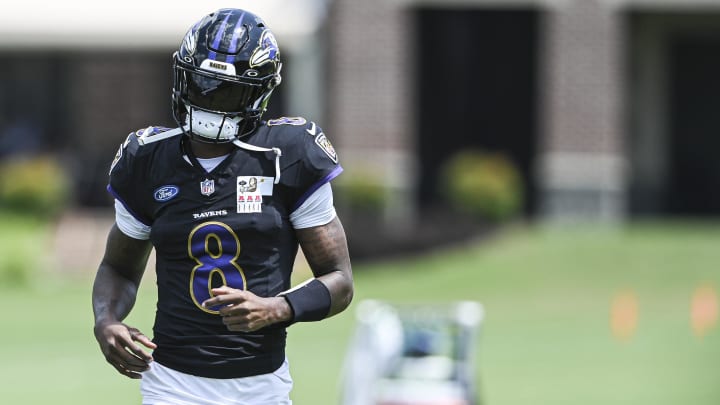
[[142, 137], [292, 126], [295, 121], [154, 134]]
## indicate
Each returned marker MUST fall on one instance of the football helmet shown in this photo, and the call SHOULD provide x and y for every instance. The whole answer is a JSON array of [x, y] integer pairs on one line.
[[224, 73]]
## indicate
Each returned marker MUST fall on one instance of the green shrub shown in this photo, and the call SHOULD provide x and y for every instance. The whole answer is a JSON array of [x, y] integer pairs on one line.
[[485, 185], [34, 185], [361, 192]]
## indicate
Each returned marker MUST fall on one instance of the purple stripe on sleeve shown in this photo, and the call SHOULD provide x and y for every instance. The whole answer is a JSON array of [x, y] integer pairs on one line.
[[133, 213], [334, 173]]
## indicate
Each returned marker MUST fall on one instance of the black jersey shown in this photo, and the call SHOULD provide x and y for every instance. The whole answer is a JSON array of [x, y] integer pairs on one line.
[[228, 226]]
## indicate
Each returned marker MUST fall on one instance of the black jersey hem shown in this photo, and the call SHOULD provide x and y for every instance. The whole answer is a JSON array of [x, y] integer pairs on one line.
[[228, 368]]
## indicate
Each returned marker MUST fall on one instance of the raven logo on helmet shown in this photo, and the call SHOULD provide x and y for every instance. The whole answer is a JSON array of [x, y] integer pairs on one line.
[[189, 42], [267, 50]]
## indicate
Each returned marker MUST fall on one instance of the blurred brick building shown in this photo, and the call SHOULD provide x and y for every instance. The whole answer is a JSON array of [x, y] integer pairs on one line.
[[607, 107]]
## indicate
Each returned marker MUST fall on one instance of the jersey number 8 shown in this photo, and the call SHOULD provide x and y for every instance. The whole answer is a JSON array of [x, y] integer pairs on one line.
[[215, 248]]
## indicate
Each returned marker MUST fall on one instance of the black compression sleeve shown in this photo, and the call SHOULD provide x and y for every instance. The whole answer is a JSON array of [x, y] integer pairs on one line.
[[310, 302]]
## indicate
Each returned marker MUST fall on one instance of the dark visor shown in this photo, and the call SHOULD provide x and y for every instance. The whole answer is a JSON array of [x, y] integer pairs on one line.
[[210, 92]]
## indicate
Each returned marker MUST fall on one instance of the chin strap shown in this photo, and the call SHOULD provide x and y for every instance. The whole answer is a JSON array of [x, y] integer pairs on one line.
[[242, 145]]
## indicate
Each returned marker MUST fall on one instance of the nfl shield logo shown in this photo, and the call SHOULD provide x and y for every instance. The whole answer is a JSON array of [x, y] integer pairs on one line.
[[207, 187]]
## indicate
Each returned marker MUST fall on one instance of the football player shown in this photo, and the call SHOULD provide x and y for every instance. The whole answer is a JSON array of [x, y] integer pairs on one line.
[[225, 200]]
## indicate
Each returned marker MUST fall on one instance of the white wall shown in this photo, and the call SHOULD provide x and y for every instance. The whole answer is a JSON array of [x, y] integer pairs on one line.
[[137, 23]]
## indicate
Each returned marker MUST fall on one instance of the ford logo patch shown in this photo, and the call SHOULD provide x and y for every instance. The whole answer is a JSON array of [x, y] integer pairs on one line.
[[166, 193]]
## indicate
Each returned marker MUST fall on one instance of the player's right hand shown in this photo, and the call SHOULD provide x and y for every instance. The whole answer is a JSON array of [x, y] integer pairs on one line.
[[119, 345]]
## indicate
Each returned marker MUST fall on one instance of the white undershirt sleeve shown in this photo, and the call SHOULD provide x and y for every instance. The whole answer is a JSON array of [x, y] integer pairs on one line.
[[128, 224], [317, 210]]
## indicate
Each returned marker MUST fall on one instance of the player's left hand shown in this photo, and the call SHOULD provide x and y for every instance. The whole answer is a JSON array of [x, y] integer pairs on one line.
[[243, 311]]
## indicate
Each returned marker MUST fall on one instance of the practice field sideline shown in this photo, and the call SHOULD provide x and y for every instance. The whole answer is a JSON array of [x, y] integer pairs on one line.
[[550, 297]]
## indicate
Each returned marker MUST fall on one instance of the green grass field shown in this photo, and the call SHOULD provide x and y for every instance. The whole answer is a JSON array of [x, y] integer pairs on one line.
[[546, 338]]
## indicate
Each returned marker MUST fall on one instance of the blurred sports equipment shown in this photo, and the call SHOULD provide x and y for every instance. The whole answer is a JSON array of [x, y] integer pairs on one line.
[[413, 354]]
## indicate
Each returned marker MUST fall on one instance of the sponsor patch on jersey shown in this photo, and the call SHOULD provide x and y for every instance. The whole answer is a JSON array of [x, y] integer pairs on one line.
[[324, 144], [250, 192], [165, 193]]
